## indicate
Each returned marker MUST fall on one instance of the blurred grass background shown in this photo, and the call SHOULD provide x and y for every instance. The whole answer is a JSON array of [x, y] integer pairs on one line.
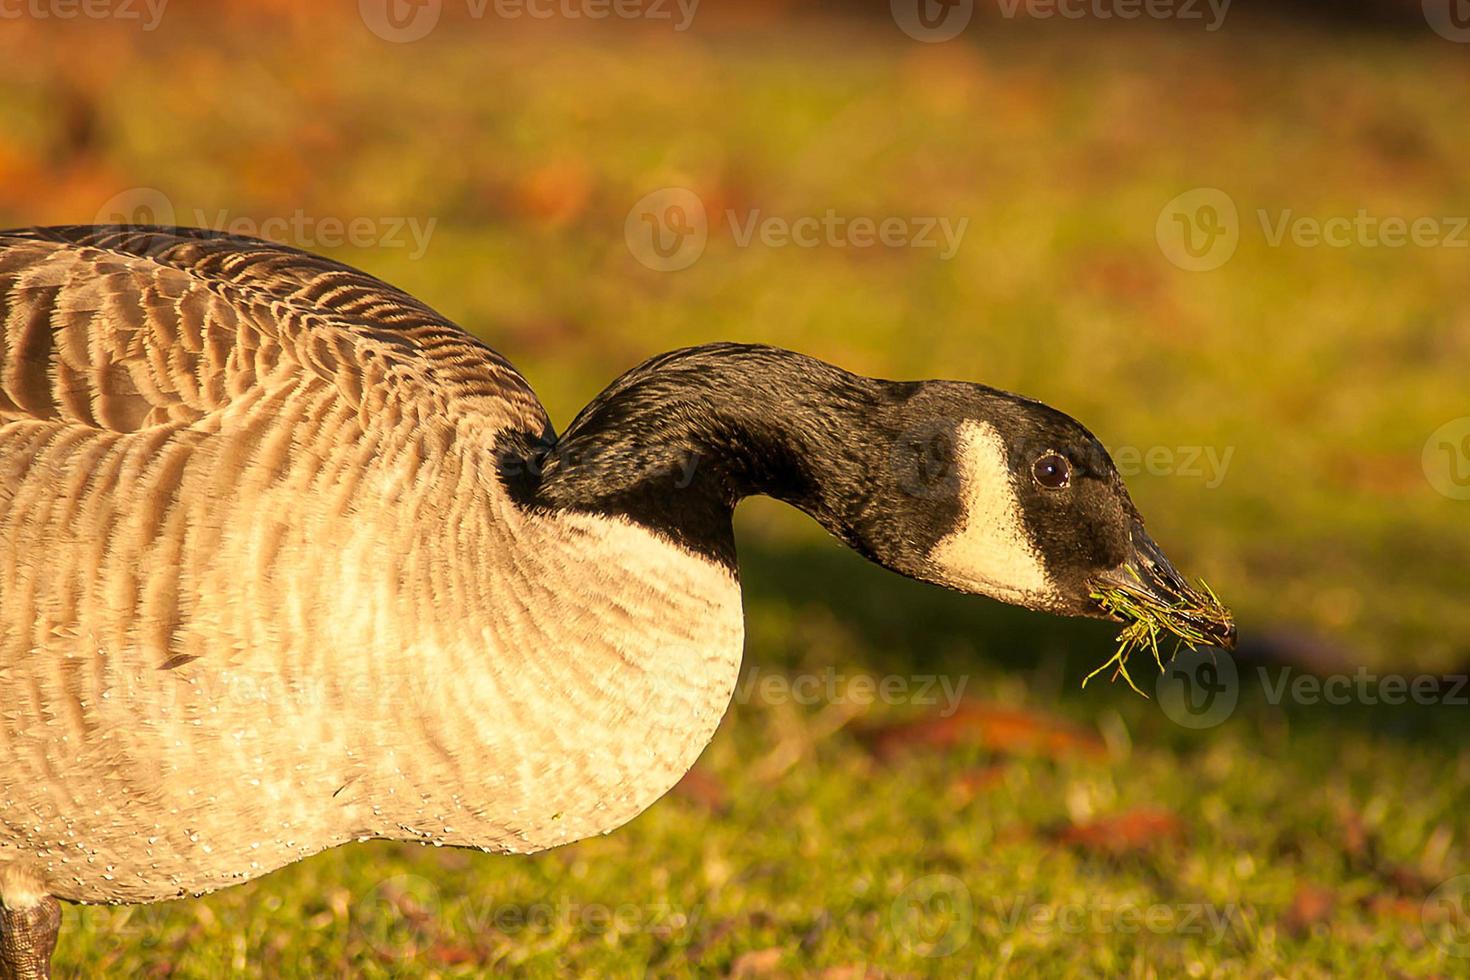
[[801, 845]]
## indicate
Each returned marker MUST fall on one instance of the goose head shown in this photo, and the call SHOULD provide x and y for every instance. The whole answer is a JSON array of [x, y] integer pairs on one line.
[[1003, 496], [948, 482]]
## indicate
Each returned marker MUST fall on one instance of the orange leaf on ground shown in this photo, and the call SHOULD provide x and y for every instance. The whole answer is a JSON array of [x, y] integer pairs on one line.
[[698, 786], [757, 962], [1396, 907], [1382, 474], [1133, 830], [1312, 905], [555, 193], [989, 726], [969, 784], [453, 955], [1406, 881]]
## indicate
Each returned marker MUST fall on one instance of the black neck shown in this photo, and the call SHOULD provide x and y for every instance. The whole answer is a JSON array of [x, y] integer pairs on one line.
[[677, 442]]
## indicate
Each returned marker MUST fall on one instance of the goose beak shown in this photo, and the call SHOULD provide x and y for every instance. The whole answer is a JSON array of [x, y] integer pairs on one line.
[[1147, 587]]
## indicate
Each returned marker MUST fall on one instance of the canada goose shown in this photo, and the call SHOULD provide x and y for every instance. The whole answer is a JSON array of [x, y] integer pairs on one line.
[[288, 560]]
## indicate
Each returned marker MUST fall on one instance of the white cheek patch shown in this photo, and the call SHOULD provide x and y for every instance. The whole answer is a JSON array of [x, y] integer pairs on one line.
[[990, 552]]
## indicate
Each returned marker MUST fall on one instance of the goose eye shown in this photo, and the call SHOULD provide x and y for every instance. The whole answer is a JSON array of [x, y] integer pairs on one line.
[[1052, 471]]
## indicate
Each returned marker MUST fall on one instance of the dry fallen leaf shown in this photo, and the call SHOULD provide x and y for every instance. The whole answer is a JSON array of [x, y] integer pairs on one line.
[[698, 786], [1312, 905], [1131, 831], [852, 971], [990, 726], [971, 783], [757, 962], [452, 955]]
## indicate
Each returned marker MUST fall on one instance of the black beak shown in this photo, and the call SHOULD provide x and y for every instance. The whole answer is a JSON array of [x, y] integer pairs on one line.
[[1153, 585]]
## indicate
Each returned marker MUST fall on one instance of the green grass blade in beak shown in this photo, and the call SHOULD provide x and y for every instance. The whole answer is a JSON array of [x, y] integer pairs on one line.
[[1150, 596]]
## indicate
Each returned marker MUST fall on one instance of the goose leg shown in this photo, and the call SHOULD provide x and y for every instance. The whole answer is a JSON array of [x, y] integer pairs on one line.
[[27, 939]]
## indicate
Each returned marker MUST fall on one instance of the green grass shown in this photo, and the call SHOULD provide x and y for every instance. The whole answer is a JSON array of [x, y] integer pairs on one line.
[[1313, 832]]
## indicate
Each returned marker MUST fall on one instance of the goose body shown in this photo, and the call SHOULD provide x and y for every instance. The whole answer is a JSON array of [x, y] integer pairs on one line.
[[218, 645], [287, 559]]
